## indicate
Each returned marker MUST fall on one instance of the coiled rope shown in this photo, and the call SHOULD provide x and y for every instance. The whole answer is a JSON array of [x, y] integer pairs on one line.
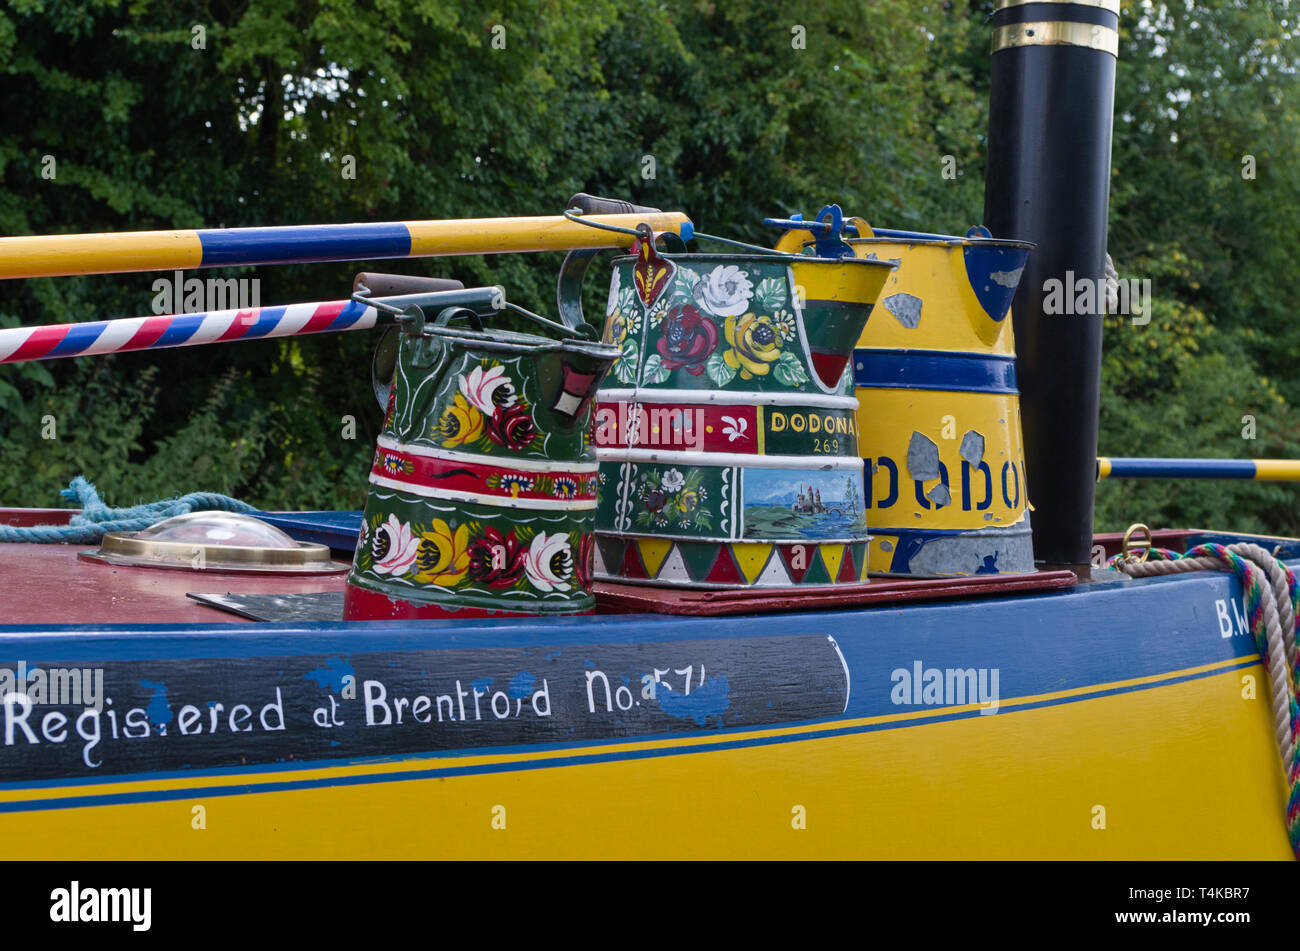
[[1272, 606], [96, 518]]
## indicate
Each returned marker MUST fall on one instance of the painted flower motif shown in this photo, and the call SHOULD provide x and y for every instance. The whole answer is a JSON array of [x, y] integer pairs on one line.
[[512, 428], [461, 423], [363, 536], [654, 500], [393, 547], [488, 389], [673, 480], [725, 291], [395, 465], [734, 428], [784, 325], [755, 345], [496, 560], [565, 487], [549, 562], [688, 339], [512, 482], [619, 324], [688, 501], [442, 556]]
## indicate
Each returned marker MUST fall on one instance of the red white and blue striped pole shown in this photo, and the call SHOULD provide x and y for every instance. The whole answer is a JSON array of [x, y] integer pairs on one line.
[[21, 344]]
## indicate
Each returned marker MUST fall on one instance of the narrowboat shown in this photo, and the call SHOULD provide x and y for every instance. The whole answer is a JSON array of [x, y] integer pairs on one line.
[[530, 644]]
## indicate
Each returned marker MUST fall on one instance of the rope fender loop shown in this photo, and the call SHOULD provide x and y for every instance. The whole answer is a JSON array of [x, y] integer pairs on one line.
[[95, 518], [1272, 606]]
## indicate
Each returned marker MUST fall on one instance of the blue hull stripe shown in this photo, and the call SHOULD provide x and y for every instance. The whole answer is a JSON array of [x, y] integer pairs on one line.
[[934, 370], [229, 248]]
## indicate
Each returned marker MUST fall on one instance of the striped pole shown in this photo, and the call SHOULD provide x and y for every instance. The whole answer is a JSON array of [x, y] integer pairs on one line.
[[50, 342], [65, 254], [1258, 470], [21, 344]]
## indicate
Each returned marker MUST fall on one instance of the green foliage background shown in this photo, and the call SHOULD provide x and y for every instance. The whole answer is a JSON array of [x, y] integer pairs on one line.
[[148, 132]]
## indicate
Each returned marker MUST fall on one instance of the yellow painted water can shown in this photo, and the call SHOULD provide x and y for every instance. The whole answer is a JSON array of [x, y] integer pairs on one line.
[[939, 416]]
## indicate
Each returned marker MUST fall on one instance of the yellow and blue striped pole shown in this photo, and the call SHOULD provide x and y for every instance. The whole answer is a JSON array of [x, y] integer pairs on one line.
[[66, 254], [1258, 470]]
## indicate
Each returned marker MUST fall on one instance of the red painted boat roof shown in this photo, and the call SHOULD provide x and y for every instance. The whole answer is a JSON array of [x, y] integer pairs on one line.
[[49, 584]]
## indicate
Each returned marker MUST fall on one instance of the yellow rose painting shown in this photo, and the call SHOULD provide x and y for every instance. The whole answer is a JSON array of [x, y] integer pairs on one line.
[[755, 345], [443, 555]]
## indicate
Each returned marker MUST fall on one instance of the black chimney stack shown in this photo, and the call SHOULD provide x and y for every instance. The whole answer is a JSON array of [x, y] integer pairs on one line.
[[1051, 108]]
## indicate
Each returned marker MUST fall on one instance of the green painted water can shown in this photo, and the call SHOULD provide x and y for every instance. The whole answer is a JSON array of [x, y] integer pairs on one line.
[[727, 430], [482, 496]]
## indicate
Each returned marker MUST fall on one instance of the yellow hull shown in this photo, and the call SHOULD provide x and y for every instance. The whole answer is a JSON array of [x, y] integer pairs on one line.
[[1176, 765]]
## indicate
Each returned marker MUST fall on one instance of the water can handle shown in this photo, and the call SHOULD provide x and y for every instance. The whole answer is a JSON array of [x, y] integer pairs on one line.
[[594, 205], [568, 288], [394, 285]]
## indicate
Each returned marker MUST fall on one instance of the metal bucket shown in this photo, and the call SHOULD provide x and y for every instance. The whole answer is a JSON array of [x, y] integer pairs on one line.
[[727, 432], [482, 494], [939, 424]]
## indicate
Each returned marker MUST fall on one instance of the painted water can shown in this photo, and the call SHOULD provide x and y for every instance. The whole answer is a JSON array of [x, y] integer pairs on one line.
[[482, 496], [727, 430], [940, 416]]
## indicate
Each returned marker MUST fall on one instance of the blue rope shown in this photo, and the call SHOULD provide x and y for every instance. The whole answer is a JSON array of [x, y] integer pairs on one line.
[[96, 518]]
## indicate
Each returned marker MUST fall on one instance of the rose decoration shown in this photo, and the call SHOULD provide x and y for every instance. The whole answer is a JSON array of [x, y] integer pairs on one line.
[[654, 500], [512, 427], [442, 556], [617, 326], [549, 562], [393, 547], [461, 422], [755, 345], [673, 480], [724, 291], [496, 560], [488, 389], [688, 339]]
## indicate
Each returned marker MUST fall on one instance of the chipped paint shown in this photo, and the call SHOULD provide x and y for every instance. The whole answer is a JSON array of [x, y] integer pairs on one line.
[[940, 495], [986, 551], [1009, 279], [711, 699], [972, 447], [906, 308], [330, 676], [922, 457]]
